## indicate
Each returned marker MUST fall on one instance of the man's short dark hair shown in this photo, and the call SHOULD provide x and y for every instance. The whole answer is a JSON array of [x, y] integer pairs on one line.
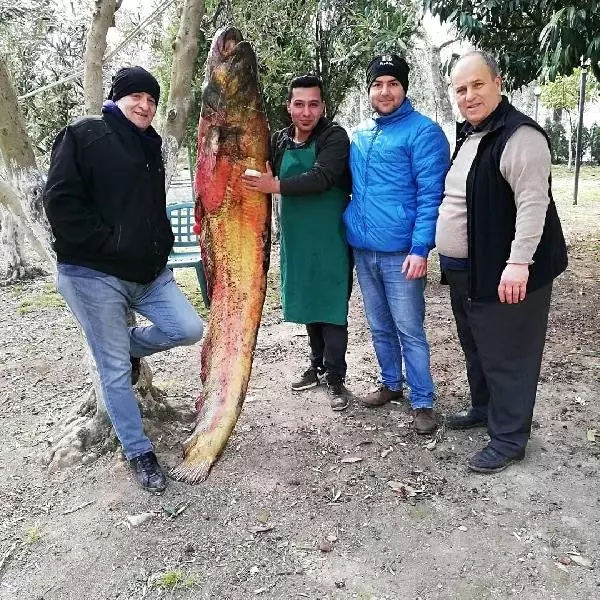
[[305, 81]]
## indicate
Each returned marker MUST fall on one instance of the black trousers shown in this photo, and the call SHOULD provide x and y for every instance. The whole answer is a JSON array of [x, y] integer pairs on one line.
[[503, 346], [328, 344]]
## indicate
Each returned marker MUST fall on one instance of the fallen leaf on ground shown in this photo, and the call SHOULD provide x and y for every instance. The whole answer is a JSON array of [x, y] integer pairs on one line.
[[561, 566], [430, 445], [137, 520], [261, 528], [582, 561], [387, 451], [402, 488]]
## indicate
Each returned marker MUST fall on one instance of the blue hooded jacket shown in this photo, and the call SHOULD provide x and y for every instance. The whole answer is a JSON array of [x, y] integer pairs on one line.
[[398, 162]]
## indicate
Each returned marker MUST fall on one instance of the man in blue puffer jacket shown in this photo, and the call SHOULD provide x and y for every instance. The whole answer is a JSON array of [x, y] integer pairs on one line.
[[398, 161]]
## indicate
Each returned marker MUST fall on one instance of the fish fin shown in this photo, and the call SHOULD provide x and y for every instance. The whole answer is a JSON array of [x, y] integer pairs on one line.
[[192, 472]]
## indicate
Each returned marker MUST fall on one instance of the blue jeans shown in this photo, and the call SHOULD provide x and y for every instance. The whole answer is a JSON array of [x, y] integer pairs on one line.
[[100, 303], [395, 309]]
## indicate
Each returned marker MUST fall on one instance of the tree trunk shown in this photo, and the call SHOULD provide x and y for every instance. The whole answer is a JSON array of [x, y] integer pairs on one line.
[[444, 113], [11, 247], [23, 194], [95, 47], [180, 90]]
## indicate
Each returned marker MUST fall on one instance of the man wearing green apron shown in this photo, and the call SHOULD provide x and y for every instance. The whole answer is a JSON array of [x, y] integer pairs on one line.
[[310, 162]]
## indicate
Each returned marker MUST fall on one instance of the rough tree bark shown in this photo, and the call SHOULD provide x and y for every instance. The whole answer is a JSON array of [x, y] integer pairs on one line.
[[185, 52], [95, 48], [22, 192], [443, 107]]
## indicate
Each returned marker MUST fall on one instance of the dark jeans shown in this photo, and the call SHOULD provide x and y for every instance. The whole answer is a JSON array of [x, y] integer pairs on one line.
[[503, 346], [328, 344]]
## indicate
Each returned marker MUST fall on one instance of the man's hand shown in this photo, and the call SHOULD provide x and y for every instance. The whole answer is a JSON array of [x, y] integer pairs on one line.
[[414, 266], [513, 283], [265, 183]]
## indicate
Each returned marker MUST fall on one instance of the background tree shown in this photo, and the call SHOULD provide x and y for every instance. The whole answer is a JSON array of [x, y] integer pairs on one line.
[[595, 144], [530, 38], [562, 95]]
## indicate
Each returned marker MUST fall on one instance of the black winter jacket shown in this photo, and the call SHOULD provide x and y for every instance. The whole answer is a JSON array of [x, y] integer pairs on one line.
[[105, 198], [491, 213]]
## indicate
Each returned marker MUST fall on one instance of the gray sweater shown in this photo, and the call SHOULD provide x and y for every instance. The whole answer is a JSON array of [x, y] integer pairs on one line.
[[525, 164]]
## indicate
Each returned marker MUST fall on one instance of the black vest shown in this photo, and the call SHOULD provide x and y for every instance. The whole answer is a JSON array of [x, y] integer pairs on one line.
[[491, 214]]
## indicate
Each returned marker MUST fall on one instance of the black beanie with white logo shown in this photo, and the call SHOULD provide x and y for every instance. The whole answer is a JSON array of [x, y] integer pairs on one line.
[[388, 64]]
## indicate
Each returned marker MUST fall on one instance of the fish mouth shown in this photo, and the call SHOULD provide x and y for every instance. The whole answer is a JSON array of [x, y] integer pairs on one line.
[[227, 40]]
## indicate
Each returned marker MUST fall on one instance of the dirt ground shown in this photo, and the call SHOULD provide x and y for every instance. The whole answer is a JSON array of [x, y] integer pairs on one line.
[[289, 511]]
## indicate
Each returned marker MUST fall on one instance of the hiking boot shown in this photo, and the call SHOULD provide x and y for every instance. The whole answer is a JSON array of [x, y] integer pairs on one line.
[[382, 396], [490, 460], [135, 369], [424, 421], [309, 379], [148, 473], [466, 419], [338, 396]]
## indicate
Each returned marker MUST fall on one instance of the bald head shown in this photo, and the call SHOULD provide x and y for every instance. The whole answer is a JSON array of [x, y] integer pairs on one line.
[[477, 86]]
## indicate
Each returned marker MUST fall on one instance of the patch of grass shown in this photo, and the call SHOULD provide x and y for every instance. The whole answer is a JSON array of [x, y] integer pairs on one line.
[[273, 293], [418, 512], [188, 282], [33, 535], [47, 298], [175, 579], [563, 181]]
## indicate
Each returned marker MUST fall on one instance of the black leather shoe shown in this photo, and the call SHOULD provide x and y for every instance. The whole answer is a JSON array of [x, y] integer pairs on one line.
[[135, 369], [465, 419], [489, 460], [148, 473]]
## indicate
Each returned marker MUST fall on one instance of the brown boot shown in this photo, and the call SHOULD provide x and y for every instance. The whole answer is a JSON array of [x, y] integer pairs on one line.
[[382, 396], [424, 421]]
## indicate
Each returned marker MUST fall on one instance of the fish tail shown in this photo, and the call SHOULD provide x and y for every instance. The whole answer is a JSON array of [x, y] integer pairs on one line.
[[192, 471]]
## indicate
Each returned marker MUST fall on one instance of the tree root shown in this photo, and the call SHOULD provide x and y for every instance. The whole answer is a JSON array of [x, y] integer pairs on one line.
[[88, 434], [20, 273]]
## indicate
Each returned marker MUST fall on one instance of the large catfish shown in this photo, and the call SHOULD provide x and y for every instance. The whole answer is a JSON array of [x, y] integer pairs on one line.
[[234, 228]]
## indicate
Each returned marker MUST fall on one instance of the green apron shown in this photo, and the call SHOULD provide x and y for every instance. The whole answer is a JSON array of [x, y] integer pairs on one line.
[[315, 259]]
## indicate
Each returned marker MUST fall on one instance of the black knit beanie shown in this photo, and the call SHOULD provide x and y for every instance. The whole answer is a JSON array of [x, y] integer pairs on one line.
[[388, 64], [130, 80]]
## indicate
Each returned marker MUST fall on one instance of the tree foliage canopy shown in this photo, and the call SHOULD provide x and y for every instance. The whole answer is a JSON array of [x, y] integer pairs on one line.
[[563, 92], [530, 38]]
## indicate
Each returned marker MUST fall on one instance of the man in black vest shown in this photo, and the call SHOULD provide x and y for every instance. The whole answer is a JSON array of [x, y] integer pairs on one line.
[[105, 200], [501, 246]]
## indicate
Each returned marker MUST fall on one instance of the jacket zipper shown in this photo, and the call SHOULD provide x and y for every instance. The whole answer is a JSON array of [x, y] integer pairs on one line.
[[364, 198]]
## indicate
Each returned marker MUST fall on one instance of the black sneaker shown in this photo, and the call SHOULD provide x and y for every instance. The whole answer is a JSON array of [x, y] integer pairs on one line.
[[309, 379], [135, 369], [148, 472], [338, 396]]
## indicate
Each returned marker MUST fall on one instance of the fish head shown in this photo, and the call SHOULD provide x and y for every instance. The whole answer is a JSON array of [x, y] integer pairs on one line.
[[231, 83]]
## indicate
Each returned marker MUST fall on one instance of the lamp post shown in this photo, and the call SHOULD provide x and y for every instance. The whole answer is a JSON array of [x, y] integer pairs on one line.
[[537, 92], [584, 70]]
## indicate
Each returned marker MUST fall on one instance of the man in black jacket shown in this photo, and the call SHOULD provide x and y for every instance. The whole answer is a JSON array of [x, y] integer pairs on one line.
[[501, 246], [105, 200]]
